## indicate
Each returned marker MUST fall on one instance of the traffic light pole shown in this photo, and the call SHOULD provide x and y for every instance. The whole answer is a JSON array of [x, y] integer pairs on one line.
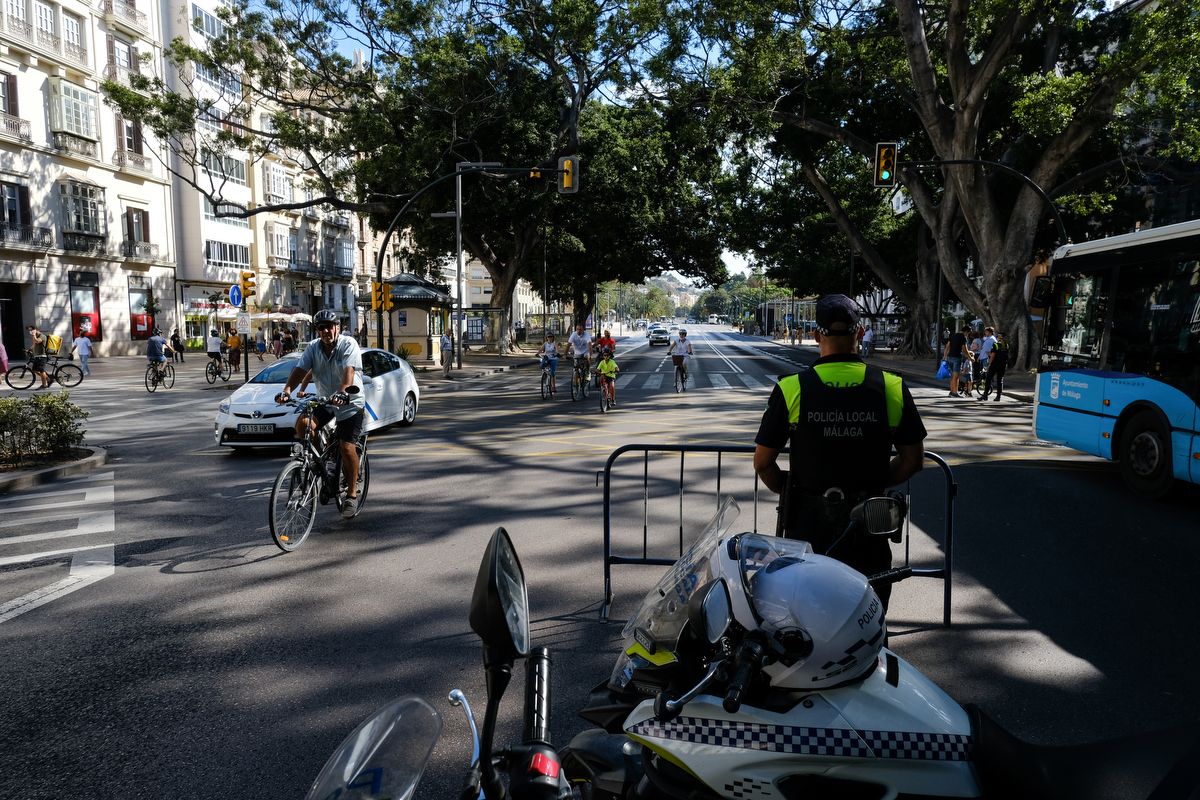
[[1062, 229]]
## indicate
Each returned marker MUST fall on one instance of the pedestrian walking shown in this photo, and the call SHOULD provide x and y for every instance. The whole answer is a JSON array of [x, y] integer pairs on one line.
[[997, 364], [176, 346], [276, 343], [955, 352], [289, 340], [3, 356], [447, 345], [260, 342], [37, 351], [868, 339], [985, 347], [83, 346]]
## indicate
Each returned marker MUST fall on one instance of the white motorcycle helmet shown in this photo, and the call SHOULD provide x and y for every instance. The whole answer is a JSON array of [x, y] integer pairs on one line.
[[825, 615]]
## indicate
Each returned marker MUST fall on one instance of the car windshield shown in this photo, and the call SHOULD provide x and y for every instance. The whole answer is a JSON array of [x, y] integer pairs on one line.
[[664, 611], [276, 373]]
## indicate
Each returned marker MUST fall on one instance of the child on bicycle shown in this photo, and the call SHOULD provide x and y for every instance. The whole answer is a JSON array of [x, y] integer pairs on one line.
[[549, 360], [608, 370]]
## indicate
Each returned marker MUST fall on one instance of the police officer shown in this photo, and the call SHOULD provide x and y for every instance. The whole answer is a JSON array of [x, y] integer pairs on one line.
[[841, 417]]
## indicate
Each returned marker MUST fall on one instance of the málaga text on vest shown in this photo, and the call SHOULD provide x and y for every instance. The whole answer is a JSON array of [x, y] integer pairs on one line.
[[843, 424]]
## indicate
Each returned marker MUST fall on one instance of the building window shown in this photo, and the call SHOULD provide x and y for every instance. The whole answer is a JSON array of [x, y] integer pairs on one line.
[[129, 135], [44, 14], [83, 207], [122, 54], [223, 254], [74, 110], [137, 225], [206, 23], [140, 323], [85, 305], [14, 204], [8, 94], [15, 9], [73, 30], [210, 213], [226, 168], [278, 184]]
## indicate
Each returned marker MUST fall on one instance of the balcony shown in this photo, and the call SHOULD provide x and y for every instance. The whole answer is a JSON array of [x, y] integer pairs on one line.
[[75, 52], [129, 161], [278, 263], [19, 28], [125, 16], [15, 128], [86, 243], [121, 75], [75, 145], [139, 251], [25, 236], [48, 41]]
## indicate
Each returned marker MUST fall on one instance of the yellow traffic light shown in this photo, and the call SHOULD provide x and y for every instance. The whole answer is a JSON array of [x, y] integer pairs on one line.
[[376, 296], [247, 282], [568, 175], [388, 302], [886, 155]]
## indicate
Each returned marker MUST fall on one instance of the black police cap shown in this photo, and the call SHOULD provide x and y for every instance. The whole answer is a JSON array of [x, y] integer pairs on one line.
[[833, 309]]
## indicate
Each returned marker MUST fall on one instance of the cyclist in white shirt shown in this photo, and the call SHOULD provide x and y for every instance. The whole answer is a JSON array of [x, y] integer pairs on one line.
[[681, 347], [580, 344], [213, 346]]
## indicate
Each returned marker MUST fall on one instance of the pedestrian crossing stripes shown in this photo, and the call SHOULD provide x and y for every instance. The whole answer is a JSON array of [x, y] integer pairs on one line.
[[641, 382], [80, 510]]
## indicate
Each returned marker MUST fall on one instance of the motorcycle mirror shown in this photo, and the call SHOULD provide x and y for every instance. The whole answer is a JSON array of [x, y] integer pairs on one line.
[[881, 516], [710, 611], [384, 756], [500, 605]]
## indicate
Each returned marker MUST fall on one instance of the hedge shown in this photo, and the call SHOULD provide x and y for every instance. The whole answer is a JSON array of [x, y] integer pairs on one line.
[[40, 426]]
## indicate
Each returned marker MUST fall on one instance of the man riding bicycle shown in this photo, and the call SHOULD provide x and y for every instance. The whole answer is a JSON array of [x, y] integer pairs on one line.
[[213, 346], [580, 344], [157, 350], [549, 355], [335, 362]]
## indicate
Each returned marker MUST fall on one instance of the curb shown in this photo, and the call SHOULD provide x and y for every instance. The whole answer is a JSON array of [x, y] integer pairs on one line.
[[27, 479]]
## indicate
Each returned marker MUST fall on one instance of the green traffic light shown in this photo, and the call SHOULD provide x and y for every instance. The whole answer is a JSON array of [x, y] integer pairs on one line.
[[885, 175]]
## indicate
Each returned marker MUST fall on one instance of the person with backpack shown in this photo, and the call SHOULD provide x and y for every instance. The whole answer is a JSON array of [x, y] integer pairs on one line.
[[997, 364]]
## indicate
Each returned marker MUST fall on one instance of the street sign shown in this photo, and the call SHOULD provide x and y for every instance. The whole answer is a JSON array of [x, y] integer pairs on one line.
[[235, 295], [243, 323]]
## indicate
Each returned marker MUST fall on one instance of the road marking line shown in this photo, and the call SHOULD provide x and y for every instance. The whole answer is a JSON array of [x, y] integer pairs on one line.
[[88, 565], [718, 381], [49, 554], [750, 382], [724, 357], [99, 522], [91, 496], [653, 382]]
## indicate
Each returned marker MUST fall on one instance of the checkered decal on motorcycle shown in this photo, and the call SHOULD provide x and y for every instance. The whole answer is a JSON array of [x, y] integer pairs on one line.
[[809, 741]]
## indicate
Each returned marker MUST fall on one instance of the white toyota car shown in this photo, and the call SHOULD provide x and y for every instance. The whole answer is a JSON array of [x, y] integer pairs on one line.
[[250, 418]]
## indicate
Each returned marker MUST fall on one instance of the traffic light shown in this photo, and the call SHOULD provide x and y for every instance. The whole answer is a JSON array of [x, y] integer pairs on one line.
[[376, 296], [247, 283], [388, 302], [885, 165], [568, 175]]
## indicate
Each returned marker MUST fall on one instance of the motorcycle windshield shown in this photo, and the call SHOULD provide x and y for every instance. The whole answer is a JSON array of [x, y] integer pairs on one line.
[[383, 758], [664, 611]]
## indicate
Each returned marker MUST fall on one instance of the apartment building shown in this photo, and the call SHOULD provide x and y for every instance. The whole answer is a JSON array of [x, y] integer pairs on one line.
[[86, 232]]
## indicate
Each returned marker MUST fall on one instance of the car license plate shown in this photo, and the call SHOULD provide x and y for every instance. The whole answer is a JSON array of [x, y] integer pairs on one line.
[[256, 428]]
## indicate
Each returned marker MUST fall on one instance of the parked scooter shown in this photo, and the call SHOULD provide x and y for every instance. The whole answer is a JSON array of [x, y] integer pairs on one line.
[[754, 669]]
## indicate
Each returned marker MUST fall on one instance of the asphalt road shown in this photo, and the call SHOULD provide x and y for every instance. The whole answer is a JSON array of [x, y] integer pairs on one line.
[[204, 663]]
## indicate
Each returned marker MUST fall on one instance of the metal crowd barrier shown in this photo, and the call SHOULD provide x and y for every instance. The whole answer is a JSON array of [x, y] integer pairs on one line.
[[945, 572]]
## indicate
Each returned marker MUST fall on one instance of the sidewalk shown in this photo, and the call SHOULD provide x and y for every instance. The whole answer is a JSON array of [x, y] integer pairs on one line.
[[1018, 385]]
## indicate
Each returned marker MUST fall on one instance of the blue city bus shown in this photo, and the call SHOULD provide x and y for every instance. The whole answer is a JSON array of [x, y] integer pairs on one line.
[[1119, 369]]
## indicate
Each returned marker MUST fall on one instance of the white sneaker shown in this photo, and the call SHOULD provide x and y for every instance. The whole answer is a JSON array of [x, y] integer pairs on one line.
[[349, 507]]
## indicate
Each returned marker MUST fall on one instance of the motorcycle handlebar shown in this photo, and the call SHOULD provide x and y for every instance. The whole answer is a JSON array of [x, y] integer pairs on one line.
[[537, 697], [891, 576], [749, 659]]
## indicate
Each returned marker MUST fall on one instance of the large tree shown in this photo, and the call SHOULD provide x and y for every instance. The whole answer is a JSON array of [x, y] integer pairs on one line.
[[436, 84]]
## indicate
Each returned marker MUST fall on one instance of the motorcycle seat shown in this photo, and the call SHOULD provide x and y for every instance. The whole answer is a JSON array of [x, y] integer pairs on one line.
[[1163, 765]]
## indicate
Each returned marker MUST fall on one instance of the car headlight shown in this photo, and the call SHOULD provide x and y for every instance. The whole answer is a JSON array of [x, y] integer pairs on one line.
[[223, 408]]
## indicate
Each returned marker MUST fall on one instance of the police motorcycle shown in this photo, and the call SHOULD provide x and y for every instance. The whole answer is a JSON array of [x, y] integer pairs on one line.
[[757, 668]]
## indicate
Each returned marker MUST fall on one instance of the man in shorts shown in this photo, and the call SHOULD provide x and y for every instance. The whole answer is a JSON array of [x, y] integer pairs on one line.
[[336, 363], [37, 350]]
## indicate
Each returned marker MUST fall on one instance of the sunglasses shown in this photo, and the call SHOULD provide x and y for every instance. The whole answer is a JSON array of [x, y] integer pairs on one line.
[[328, 327]]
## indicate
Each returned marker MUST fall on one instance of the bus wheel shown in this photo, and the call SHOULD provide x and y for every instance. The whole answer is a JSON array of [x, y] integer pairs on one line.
[[1145, 456]]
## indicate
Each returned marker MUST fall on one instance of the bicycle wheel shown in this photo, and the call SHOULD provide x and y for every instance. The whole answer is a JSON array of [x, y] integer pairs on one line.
[[20, 377], [151, 379], [168, 378], [545, 385], [68, 375], [226, 370], [293, 507], [210, 372], [584, 382], [679, 379], [603, 399], [364, 477], [576, 391]]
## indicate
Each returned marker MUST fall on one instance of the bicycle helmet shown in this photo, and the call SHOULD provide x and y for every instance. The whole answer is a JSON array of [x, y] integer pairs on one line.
[[683, 332], [824, 614], [324, 317], [158, 331], [213, 333]]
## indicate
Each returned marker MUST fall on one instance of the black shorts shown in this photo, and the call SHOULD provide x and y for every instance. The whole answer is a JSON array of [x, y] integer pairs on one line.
[[349, 429], [38, 364]]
